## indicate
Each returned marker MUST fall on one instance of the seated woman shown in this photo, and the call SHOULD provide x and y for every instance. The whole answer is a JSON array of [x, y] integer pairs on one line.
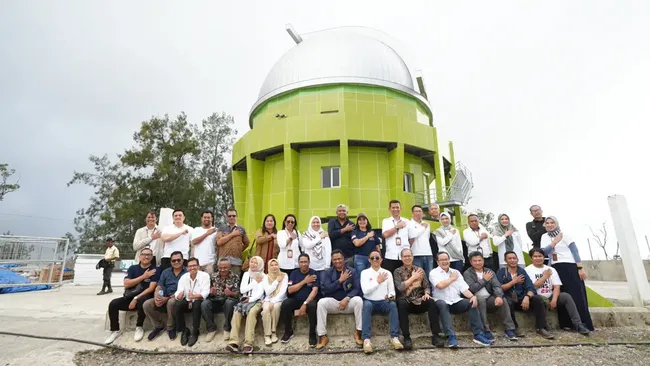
[[565, 258], [249, 306], [507, 239], [275, 290], [449, 242], [316, 243]]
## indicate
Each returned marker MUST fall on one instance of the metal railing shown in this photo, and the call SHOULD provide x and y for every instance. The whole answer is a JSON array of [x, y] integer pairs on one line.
[[456, 194], [38, 260]]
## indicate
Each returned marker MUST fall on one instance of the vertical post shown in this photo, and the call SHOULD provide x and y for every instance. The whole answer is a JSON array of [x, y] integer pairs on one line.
[[65, 256], [648, 244], [632, 263], [591, 254], [53, 266]]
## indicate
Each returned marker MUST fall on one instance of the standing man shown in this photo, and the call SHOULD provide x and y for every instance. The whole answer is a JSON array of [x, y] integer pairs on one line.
[[231, 241], [302, 299], [394, 230], [139, 284], [224, 295], [110, 256], [148, 237], [419, 234], [434, 212], [161, 307], [414, 296], [448, 284], [175, 237], [378, 297], [193, 288], [341, 295], [477, 239], [483, 283], [204, 240], [340, 232], [535, 229]]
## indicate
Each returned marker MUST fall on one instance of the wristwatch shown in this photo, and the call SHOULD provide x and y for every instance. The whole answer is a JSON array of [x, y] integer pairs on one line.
[[304, 303], [135, 298]]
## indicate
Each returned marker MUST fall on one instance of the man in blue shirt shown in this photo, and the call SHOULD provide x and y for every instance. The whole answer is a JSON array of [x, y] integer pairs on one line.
[[521, 295], [302, 300], [341, 295], [340, 233], [139, 285], [161, 307]]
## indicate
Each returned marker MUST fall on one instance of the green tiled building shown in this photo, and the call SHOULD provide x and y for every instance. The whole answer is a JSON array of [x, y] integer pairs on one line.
[[338, 120]]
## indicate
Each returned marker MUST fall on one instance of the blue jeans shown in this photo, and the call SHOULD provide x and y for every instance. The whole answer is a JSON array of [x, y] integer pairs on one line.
[[360, 263], [460, 307], [457, 265], [425, 262], [382, 307]]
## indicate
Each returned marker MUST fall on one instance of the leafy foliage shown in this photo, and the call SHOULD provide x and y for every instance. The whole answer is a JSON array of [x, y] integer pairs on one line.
[[5, 186], [486, 219], [173, 163]]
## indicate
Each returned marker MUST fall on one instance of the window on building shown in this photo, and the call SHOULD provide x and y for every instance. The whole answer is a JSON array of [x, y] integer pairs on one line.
[[408, 183], [331, 177]]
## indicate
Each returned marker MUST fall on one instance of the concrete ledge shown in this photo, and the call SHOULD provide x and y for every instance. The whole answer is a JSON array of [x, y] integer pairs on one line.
[[342, 325]]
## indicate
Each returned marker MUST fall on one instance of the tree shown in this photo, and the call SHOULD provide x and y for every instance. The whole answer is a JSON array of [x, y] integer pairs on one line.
[[601, 238], [166, 167], [5, 186], [14, 249]]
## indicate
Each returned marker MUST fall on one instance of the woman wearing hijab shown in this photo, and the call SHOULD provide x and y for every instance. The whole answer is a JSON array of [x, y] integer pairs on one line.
[[266, 243], [275, 290], [316, 243], [565, 258], [508, 239], [289, 243], [449, 242], [249, 306]]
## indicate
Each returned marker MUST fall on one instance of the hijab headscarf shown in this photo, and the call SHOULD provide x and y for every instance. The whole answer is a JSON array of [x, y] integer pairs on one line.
[[454, 253], [272, 276], [448, 227], [557, 230], [260, 268], [500, 230], [319, 248]]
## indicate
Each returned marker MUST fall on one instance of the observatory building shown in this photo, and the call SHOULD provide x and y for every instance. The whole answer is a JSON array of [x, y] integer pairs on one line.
[[340, 119]]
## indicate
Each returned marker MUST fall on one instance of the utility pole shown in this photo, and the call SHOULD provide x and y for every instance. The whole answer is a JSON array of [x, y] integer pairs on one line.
[[592, 254]]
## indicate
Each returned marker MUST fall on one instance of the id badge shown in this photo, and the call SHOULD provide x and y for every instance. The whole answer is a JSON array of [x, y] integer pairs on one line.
[[554, 257], [398, 241], [290, 253]]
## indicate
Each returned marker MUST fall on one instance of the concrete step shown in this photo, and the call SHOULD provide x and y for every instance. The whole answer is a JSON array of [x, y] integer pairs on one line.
[[342, 325]]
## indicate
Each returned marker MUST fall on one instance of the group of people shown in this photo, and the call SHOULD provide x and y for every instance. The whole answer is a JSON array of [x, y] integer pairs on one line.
[[350, 269]]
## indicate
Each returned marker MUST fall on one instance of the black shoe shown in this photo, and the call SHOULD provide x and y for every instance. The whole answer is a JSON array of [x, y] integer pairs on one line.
[[192, 340], [313, 340], [287, 337], [545, 333], [172, 334], [154, 333], [185, 337], [582, 329], [110, 290], [437, 342], [407, 343], [102, 292]]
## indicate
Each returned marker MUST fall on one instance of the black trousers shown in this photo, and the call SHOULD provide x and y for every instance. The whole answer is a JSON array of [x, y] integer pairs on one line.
[[391, 264], [404, 308], [167, 263], [122, 303], [183, 306], [537, 307], [286, 314], [106, 275]]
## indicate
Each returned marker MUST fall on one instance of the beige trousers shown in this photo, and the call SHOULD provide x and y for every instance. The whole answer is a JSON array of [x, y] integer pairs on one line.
[[270, 317], [329, 305], [158, 318], [251, 322]]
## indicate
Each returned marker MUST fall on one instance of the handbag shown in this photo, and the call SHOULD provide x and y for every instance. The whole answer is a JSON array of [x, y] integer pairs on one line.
[[134, 291]]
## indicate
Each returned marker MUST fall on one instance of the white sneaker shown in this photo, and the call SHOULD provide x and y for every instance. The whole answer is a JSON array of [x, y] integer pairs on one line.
[[226, 336], [274, 338], [139, 334], [267, 340], [111, 338]]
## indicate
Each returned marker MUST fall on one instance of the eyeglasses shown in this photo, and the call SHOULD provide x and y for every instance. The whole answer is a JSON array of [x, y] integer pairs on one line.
[[146, 254], [232, 215], [375, 258], [290, 222], [176, 260]]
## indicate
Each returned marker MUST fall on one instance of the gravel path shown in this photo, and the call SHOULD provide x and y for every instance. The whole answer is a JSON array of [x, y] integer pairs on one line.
[[556, 355]]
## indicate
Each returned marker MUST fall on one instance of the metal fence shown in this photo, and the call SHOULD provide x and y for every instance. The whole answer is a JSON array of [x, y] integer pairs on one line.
[[37, 260]]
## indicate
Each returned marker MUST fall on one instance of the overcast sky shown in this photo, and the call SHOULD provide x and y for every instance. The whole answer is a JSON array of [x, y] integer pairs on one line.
[[546, 102]]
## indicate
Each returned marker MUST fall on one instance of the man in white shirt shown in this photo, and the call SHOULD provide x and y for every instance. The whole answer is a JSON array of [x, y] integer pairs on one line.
[[448, 284], [204, 242], [419, 233], [148, 237], [378, 297], [193, 288], [477, 239], [110, 256], [547, 283], [175, 237], [396, 236]]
